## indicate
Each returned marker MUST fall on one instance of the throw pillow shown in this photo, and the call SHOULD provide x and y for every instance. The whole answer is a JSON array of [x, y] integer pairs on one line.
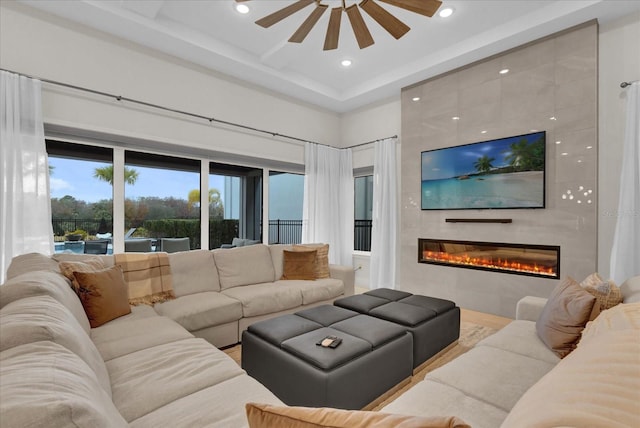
[[103, 294], [268, 416], [564, 316], [67, 269], [299, 265], [607, 292], [322, 258]]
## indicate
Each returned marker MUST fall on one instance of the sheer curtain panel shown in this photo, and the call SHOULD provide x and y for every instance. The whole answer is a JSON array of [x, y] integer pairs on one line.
[[382, 270], [625, 254], [328, 201], [25, 207]]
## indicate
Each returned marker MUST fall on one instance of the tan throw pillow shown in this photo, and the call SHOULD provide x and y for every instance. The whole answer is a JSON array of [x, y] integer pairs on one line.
[[299, 265], [564, 316], [607, 292], [67, 269], [322, 258], [103, 294], [269, 416]]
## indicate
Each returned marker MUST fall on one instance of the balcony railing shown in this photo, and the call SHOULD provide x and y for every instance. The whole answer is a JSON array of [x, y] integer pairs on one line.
[[362, 235], [290, 232]]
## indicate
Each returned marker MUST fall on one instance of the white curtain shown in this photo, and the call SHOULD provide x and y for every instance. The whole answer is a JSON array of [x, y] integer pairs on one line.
[[328, 201], [382, 270], [25, 207], [625, 254]]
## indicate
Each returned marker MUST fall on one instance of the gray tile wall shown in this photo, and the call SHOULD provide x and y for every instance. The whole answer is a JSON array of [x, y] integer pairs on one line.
[[555, 77]]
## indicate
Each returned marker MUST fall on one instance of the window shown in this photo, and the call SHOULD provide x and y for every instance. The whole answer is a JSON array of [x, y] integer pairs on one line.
[[81, 181], [235, 203], [162, 199], [286, 192], [363, 210]]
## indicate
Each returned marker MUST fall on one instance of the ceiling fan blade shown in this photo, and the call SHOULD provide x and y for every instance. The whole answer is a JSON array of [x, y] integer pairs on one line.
[[308, 24], [363, 36], [333, 30], [281, 14], [423, 7], [393, 25]]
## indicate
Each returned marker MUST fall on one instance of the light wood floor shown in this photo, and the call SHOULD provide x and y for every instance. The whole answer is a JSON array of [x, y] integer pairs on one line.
[[474, 326]]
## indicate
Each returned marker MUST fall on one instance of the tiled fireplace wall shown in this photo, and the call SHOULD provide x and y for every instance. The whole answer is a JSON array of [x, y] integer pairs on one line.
[[552, 86]]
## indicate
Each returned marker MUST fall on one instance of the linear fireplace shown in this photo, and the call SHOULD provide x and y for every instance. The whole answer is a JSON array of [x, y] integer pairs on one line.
[[520, 259]]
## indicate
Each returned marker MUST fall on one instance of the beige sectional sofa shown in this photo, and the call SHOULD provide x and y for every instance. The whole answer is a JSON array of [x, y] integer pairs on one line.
[[148, 368], [511, 379]]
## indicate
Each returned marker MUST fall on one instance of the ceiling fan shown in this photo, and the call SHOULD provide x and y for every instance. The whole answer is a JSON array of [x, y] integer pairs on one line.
[[393, 25]]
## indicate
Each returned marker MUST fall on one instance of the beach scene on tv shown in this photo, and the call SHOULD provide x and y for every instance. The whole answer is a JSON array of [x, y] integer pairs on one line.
[[503, 173]]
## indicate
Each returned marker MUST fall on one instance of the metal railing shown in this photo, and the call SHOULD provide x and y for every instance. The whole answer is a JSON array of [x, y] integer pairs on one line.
[[285, 231], [362, 235], [62, 226]]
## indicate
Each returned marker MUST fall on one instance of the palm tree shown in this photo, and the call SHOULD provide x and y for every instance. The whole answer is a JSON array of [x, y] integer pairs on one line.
[[214, 197], [520, 155], [105, 173], [483, 164]]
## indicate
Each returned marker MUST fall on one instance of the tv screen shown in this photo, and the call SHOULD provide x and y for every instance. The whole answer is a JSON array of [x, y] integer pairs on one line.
[[503, 173]]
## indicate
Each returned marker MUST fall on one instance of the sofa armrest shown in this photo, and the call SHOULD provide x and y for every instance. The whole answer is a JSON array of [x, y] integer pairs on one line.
[[530, 307], [347, 275]]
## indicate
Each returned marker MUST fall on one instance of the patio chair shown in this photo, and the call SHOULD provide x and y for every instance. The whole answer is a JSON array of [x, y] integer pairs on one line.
[[137, 246], [98, 246], [173, 245]]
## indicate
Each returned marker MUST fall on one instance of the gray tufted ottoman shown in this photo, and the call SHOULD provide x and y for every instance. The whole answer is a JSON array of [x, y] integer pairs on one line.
[[434, 323], [375, 355]]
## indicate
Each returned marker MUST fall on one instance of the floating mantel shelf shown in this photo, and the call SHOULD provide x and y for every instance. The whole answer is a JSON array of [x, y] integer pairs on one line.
[[479, 220]]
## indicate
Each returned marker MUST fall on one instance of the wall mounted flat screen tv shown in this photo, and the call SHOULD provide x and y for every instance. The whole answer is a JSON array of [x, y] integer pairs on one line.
[[496, 174]]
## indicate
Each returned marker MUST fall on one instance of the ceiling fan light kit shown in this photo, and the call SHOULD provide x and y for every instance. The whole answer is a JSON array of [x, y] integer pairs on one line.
[[383, 17]]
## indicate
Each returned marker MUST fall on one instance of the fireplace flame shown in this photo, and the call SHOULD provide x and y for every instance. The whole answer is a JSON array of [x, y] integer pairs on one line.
[[487, 262]]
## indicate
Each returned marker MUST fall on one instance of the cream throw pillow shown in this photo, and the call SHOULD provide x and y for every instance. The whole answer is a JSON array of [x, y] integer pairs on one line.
[[564, 316], [269, 416], [607, 292]]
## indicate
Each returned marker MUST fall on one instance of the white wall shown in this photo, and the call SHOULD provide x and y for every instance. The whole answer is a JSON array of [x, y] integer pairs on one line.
[[619, 62], [38, 44]]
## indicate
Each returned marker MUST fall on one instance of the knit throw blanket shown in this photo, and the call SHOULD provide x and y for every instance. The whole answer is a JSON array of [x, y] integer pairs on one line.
[[148, 277]]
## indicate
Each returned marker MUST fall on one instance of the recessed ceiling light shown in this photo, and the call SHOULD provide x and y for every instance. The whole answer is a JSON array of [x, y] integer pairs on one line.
[[242, 8], [455, 118], [504, 71], [446, 12], [415, 99], [346, 63]]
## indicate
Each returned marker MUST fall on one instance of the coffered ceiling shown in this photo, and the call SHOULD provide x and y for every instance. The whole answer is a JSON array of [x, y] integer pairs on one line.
[[212, 34]]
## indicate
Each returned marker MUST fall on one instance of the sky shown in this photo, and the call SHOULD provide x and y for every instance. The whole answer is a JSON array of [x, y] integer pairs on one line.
[[455, 161], [75, 177]]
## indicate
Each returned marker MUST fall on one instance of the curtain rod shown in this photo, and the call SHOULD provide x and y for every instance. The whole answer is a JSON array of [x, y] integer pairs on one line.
[[625, 84], [186, 113]]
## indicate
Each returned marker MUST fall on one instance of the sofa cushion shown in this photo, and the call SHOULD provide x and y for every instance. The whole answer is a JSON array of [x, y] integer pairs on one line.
[[631, 290], [520, 337], [201, 310], [193, 272], [322, 258], [91, 265], [563, 317], [117, 339], [233, 266], [46, 385], [267, 298], [31, 262], [624, 317], [597, 385], [104, 295], [221, 405], [299, 265], [492, 375], [277, 257], [137, 312], [267, 416], [429, 398], [316, 291], [146, 380], [41, 318], [107, 259], [42, 283]]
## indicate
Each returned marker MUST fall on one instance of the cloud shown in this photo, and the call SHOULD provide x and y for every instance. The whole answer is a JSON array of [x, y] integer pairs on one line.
[[59, 185]]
